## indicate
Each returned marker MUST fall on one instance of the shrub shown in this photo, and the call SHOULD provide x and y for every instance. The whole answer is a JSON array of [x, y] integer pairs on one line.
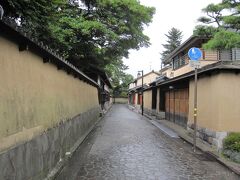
[[232, 142]]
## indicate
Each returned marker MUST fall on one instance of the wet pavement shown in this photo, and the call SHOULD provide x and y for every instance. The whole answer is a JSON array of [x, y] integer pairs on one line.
[[125, 145]]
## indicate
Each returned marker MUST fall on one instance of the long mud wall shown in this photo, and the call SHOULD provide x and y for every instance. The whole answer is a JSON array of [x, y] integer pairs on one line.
[[44, 112]]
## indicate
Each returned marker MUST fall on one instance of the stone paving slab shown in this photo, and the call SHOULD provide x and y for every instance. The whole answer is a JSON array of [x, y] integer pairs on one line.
[[200, 144], [124, 145]]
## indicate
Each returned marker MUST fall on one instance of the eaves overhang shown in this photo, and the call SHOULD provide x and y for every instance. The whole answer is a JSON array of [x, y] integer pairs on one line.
[[103, 75], [137, 88], [140, 77], [225, 65]]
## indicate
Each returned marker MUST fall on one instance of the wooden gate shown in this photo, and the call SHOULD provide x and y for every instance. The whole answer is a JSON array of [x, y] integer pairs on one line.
[[176, 106]]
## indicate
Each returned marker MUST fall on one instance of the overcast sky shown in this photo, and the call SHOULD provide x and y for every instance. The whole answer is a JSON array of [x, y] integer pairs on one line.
[[181, 14]]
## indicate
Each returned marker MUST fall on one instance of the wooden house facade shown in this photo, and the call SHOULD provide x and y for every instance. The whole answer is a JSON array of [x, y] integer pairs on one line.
[[135, 88], [218, 91]]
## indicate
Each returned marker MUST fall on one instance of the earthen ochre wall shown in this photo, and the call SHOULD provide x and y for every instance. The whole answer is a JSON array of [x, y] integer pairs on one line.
[[36, 96], [218, 102]]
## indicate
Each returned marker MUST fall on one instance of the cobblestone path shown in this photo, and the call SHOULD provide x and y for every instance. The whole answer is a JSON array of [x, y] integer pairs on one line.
[[124, 145]]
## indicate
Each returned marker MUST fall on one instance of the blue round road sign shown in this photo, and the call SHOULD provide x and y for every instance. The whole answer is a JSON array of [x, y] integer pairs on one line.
[[194, 54]]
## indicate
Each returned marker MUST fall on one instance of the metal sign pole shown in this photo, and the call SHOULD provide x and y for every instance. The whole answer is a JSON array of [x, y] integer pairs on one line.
[[195, 111], [195, 54]]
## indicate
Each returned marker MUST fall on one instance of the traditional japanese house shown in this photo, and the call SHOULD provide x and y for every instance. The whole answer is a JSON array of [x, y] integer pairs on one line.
[[135, 88], [102, 79], [218, 91]]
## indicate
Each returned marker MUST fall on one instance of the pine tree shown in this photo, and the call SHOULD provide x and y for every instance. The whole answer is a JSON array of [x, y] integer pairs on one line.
[[174, 40], [225, 16]]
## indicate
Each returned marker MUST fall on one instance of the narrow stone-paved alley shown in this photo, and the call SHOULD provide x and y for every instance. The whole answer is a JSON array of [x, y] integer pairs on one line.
[[124, 145]]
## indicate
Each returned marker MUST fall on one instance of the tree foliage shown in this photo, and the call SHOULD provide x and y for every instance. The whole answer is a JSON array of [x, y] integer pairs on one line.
[[223, 40], [222, 24], [120, 79], [174, 40], [205, 31], [121, 90], [85, 32]]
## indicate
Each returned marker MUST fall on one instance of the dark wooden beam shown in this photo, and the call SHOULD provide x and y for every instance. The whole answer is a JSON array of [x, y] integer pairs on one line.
[[59, 67], [46, 60], [68, 71], [23, 47]]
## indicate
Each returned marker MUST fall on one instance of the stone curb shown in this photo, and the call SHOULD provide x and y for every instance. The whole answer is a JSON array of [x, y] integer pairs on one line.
[[212, 153], [60, 165]]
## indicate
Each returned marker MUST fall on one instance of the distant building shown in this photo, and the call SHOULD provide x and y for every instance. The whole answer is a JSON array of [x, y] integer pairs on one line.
[[135, 88], [147, 79], [167, 71], [101, 78]]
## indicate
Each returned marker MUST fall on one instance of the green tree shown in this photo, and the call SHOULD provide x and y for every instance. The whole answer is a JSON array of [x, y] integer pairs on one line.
[[205, 31], [223, 40], [126, 80], [120, 79], [174, 40], [105, 32], [95, 33], [122, 89], [222, 24], [33, 16]]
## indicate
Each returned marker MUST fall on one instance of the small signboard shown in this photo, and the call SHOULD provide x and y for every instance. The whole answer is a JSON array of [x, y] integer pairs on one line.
[[194, 54], [195, 64]]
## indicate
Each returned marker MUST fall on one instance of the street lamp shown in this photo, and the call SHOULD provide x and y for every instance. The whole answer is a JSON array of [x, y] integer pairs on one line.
[[142, 87]]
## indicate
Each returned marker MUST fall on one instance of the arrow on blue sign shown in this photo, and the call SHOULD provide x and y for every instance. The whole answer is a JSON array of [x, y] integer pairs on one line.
[[194, 53]]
